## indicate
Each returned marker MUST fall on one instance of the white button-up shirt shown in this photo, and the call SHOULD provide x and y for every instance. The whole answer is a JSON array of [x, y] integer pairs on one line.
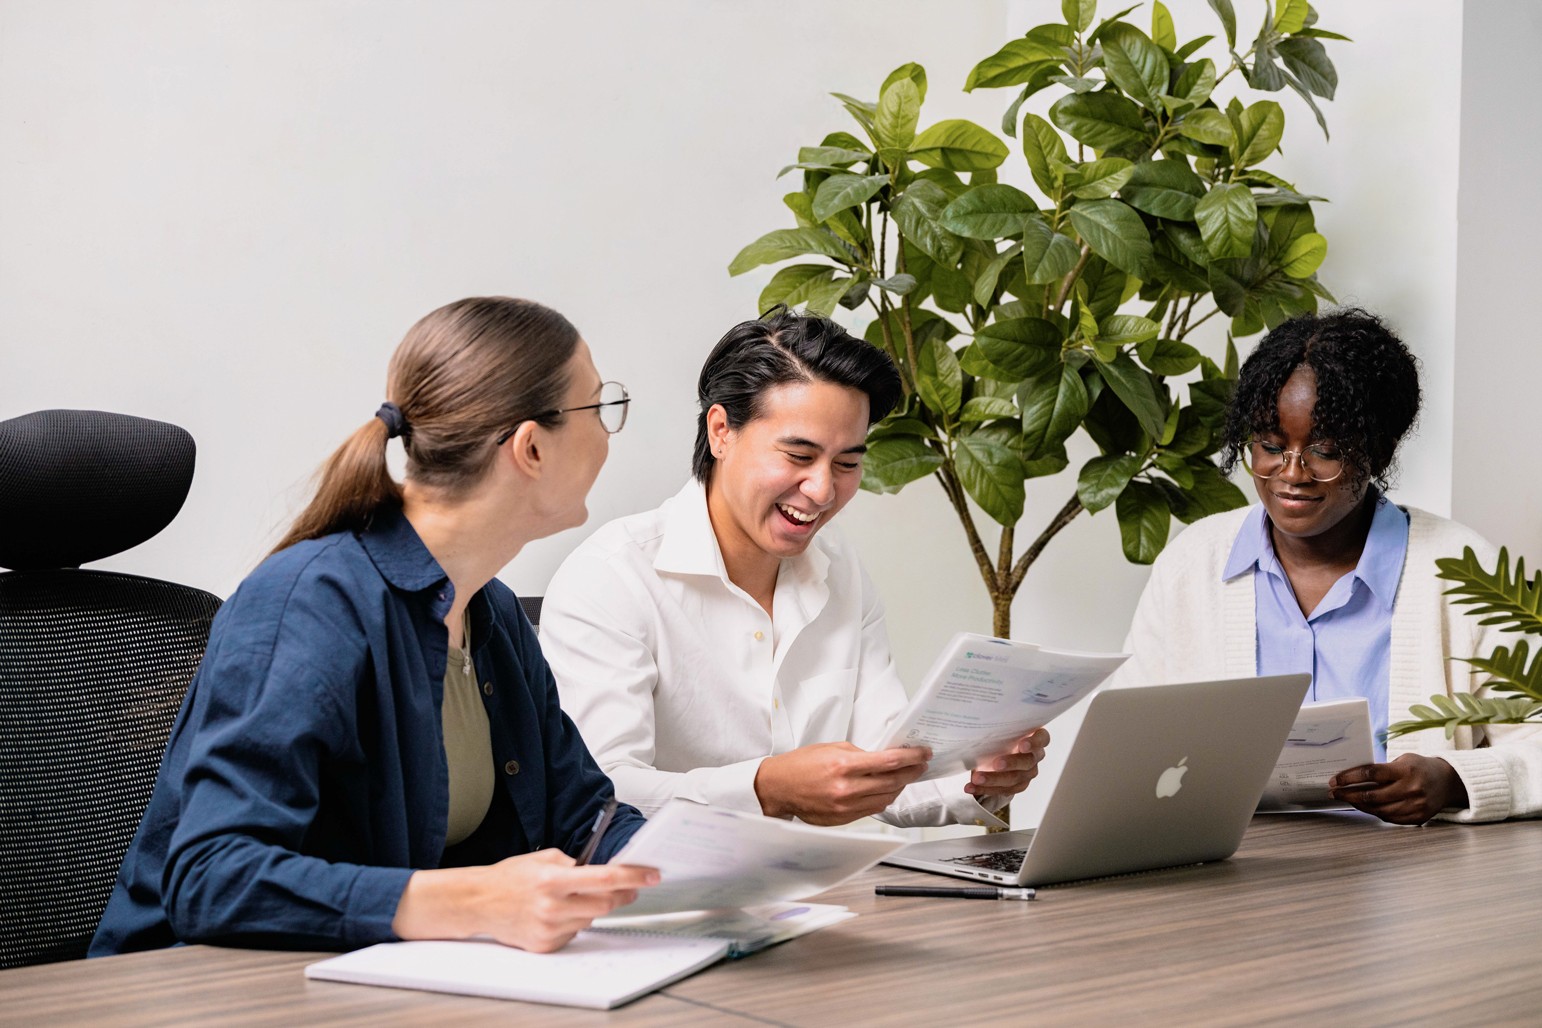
[[682, 684]]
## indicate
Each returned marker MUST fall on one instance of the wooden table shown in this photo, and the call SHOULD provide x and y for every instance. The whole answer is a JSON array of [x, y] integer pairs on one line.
[[1321, 919]]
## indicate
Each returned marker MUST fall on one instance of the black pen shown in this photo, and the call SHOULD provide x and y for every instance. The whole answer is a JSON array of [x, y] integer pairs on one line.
[[972, 892], [600, 824]]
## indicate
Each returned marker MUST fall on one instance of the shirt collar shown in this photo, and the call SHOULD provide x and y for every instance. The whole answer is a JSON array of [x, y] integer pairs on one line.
[[399, 554], [689, 545], [1381, 562], [1251, 548]]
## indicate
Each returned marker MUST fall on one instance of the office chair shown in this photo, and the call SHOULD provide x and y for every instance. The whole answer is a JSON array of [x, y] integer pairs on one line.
[[532, 608], [93, 664]]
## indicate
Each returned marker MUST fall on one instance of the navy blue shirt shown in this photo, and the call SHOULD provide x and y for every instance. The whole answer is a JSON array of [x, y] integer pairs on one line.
[[305, 777]]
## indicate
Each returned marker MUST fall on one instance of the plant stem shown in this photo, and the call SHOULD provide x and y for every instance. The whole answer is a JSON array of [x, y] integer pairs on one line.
[[1064, 517], [1071, 277], [955, 493], [1188, 327]]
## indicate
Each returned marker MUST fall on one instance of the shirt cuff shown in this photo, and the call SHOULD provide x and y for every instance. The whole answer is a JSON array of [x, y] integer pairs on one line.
[[939, 802], [371, 906], [1483, 773]]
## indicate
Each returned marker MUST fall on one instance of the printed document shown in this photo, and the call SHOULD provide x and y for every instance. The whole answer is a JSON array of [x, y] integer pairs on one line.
[[1326, 739], [745, 931], [711, 858], [984, 694]]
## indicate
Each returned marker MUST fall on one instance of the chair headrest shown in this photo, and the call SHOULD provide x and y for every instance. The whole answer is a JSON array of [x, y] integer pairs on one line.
[[81, 485]]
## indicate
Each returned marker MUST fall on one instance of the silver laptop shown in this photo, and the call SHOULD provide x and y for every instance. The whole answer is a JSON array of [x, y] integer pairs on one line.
[[1157, 777]]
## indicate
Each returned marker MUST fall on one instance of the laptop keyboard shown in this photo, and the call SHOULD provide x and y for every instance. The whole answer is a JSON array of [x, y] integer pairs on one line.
[[1001, 860]]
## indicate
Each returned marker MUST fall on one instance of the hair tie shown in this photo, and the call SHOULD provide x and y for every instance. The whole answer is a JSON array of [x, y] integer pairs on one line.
[[395, 424]]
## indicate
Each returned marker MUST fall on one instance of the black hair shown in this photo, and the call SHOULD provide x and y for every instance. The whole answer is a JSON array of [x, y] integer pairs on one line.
[[1367, 388], [784, 346]]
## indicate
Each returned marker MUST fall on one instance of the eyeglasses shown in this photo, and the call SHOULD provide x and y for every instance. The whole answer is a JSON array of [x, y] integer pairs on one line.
[[612, 408], [1266, 460]]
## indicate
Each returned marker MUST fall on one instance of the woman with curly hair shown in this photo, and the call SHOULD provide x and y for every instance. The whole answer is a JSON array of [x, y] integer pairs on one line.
[[1326, 575]]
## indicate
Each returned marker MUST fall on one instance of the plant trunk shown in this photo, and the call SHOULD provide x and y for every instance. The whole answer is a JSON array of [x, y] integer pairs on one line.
[[1001, 612]]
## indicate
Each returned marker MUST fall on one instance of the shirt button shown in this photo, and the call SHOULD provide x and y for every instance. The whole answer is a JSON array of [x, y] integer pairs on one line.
[[487, 688], [759, 636], [511, 768]]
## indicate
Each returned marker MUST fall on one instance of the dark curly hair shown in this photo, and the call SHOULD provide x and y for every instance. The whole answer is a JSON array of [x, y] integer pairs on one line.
[[784, 346], [1367, 388]]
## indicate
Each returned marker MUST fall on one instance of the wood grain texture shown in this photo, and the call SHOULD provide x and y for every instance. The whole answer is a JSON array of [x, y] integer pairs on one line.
[[1318, 919], [1326, 919], [207, 985]]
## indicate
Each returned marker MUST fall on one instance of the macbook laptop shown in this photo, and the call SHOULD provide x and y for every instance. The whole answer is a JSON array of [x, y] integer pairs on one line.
[[1158, 777]]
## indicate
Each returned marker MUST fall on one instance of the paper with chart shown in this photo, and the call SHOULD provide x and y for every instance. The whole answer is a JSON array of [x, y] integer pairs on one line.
[[984, 694], [1326, 739], [711, 858]]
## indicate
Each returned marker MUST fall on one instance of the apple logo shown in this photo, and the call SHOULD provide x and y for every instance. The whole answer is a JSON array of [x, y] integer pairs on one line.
[[1171, 780]]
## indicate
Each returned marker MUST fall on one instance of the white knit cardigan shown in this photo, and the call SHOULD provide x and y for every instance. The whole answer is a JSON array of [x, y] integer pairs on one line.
[[1192, 626]]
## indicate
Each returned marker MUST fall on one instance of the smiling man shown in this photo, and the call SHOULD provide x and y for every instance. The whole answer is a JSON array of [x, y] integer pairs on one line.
[[726, 648]]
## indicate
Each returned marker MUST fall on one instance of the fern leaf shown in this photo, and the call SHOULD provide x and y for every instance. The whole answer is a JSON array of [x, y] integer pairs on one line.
[[1500, 597], [1509, 671], [1467, 710]]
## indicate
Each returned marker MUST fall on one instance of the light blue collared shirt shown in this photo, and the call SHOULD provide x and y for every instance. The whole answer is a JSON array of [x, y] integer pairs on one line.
[[1346, 643]]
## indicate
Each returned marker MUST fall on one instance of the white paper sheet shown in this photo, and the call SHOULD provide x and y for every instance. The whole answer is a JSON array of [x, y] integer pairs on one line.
[[1327, 738], [984, 694], [710, 858]]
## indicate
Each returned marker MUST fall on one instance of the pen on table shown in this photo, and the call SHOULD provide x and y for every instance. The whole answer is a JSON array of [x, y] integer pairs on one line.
[[600, 824], [972, 892]]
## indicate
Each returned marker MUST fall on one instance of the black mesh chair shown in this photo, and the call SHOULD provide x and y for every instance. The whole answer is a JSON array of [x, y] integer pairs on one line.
[[93, 665], [532, 609]]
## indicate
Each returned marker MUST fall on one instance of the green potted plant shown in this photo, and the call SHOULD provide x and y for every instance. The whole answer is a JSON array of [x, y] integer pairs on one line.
[[1503, 597], [1018, 320]]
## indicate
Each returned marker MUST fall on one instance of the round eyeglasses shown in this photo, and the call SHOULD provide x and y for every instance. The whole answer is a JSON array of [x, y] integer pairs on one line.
[[1266, 460], [612, 408]]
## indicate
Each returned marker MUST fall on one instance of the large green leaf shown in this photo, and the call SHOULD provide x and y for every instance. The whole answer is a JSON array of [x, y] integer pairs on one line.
[[1103, 121], [1259, 129], [1196, 82], [918, 213], [1208, 125], [1168, 356], [939, 379], [1503, 597], [1127, 329], [1162, 32], [1134, 63], [839, 192], [992, 475], [912, 71], [985, 283], [1115, 233], [1144, 521], [1211, 493], [894, 462], [1228, 220], [782, 243], [1228, 20], [1043, 148], [1449, 715], [1013, 65], [812, 286], [1047, 255], [1078, 14], [1509, 670], [1291, 16], [1102, 479], [987, 408], [1165, 189], [1137, 390], [1053, 406], [1021, 347], [1304, 255], [1309, 62], [899, 108], [988, 212], [1098, 179], [958, 145]]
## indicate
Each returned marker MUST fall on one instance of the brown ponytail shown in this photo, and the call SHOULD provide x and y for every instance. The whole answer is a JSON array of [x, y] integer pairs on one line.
[[461, 376]]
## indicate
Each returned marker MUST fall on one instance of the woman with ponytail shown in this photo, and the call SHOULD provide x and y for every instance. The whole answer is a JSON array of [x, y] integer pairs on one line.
[[372, 748]]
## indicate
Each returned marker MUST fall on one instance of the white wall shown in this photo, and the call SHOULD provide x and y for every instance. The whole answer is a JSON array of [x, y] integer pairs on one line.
[[225, 213], [1497, 465]]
